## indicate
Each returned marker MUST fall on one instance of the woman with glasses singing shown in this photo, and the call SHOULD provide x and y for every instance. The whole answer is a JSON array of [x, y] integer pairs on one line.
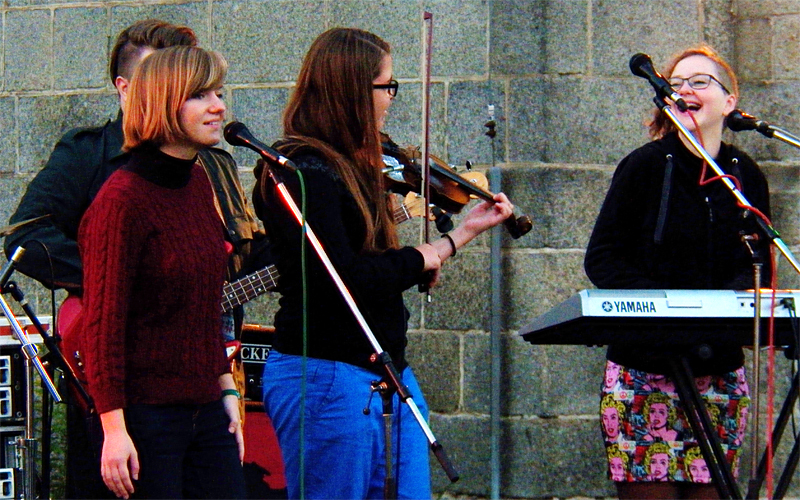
[[664, 225], [331, 428]]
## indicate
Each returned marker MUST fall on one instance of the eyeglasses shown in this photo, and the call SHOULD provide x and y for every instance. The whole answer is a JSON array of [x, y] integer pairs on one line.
[[697, 82], [390, 87]]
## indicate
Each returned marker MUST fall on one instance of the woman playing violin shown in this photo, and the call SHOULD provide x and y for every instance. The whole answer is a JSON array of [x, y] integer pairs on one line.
[[332, 125]]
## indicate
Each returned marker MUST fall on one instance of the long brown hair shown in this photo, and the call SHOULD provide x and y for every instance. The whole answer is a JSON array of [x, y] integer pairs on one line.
[[660, 125], [160, 86], [332, 111]]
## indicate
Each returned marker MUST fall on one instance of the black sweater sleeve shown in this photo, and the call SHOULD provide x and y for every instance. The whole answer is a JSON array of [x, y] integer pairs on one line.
[[376, 280], [63, 189], [612, 256], [331, 214]]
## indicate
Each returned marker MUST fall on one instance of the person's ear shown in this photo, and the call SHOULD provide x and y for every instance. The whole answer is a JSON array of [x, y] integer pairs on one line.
[[123, 85]]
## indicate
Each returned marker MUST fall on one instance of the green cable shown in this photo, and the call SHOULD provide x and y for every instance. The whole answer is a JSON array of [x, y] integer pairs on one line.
[[305, 337]]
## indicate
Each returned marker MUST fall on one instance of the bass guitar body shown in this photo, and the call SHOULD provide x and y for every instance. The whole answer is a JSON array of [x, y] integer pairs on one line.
[[68, 329]]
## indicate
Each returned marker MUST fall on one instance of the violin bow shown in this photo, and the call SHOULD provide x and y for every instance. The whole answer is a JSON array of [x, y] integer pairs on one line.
[[427, 21]]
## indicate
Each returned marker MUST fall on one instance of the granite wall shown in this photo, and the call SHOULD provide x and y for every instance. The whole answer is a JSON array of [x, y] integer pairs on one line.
[[567, 110]]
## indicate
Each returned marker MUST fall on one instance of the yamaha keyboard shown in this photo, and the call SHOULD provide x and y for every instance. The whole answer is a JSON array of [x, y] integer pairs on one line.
[[668, 317]]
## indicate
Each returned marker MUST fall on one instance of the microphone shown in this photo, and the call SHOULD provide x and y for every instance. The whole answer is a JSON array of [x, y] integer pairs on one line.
[[237, 134], [5, 274], [738, 120], [642, 65]]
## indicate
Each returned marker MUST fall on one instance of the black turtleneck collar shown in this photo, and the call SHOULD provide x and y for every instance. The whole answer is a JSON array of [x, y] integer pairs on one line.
[[160, 168]]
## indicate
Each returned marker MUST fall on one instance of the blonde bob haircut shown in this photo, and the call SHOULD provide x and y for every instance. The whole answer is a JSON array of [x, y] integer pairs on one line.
[[161, 84]]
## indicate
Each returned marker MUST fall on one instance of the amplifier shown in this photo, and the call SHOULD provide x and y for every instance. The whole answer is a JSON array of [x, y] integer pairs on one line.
[[7, 337], [10, 472], [256, 344]]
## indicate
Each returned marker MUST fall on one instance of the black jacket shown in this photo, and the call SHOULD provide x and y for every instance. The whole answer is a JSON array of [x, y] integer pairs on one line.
[[683, 237], [80, 163]]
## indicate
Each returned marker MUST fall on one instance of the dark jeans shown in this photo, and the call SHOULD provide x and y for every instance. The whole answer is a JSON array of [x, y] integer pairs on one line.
[[84, 443], [185, 451]]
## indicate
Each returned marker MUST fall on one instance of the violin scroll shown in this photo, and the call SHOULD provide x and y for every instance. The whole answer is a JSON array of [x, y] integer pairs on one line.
[[449, 190], [518, 227]]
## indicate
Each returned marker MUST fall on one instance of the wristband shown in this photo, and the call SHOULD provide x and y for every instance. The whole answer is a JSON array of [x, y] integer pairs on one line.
[[452, 243], [231, 392]]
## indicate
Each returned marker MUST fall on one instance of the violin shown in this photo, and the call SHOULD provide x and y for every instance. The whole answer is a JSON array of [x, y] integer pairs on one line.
[[449, 190]]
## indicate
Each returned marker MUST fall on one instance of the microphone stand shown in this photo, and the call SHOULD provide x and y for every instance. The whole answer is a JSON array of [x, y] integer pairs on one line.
[[726, 486], [753, 484], [392, 375], [759, 468], [778, 133], [784, 136], [769, 231], [27, 445], [56, 358], [54, 353]]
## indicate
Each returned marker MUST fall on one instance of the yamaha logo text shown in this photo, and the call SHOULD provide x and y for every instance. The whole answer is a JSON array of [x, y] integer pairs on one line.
[[629, 306]]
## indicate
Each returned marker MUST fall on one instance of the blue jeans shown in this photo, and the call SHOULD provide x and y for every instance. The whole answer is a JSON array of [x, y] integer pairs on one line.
[[185, 451], [343, 448]]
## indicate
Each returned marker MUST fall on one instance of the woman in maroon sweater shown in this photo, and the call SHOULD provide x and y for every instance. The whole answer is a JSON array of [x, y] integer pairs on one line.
[[154, 261]]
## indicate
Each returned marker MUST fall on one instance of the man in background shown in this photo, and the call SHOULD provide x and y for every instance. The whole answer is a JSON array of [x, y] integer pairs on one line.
[[80, 163]]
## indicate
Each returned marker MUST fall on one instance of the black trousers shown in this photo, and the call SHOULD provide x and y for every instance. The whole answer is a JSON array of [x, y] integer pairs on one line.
[[84, 443], [185, 451]]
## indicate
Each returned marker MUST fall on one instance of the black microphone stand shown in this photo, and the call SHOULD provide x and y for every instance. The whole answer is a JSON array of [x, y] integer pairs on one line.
[[392, 377], [760, 468]]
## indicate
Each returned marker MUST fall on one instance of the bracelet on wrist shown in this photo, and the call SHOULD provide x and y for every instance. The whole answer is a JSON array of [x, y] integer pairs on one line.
[[231, 392], [452, 243]]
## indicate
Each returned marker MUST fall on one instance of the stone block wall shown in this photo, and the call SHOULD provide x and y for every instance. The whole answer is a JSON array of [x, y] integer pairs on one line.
[[567, 110]]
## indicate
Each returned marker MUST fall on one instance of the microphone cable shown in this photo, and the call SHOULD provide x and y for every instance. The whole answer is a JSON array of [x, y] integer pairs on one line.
[[304, 359], [771, 328]]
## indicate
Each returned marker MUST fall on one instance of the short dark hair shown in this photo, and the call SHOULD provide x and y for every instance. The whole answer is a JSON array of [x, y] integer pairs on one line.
[[152, 33]]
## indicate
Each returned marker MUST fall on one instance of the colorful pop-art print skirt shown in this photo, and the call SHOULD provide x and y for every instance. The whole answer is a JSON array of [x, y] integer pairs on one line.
[[647, 435]]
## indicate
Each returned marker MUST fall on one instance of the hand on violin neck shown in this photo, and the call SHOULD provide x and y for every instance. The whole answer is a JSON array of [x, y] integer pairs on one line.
[[484, 216]]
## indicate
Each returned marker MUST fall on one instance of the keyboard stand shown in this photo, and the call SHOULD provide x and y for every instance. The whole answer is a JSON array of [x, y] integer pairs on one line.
[[703, 430], [777, 433]]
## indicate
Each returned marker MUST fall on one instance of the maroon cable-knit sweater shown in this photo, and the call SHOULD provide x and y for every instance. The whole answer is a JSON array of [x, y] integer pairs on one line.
[[154, 261]]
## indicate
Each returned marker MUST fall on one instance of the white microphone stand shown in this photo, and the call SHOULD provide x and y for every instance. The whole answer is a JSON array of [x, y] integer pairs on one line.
[[759, 468], [769, 231], [381, 356], [27, 445]]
